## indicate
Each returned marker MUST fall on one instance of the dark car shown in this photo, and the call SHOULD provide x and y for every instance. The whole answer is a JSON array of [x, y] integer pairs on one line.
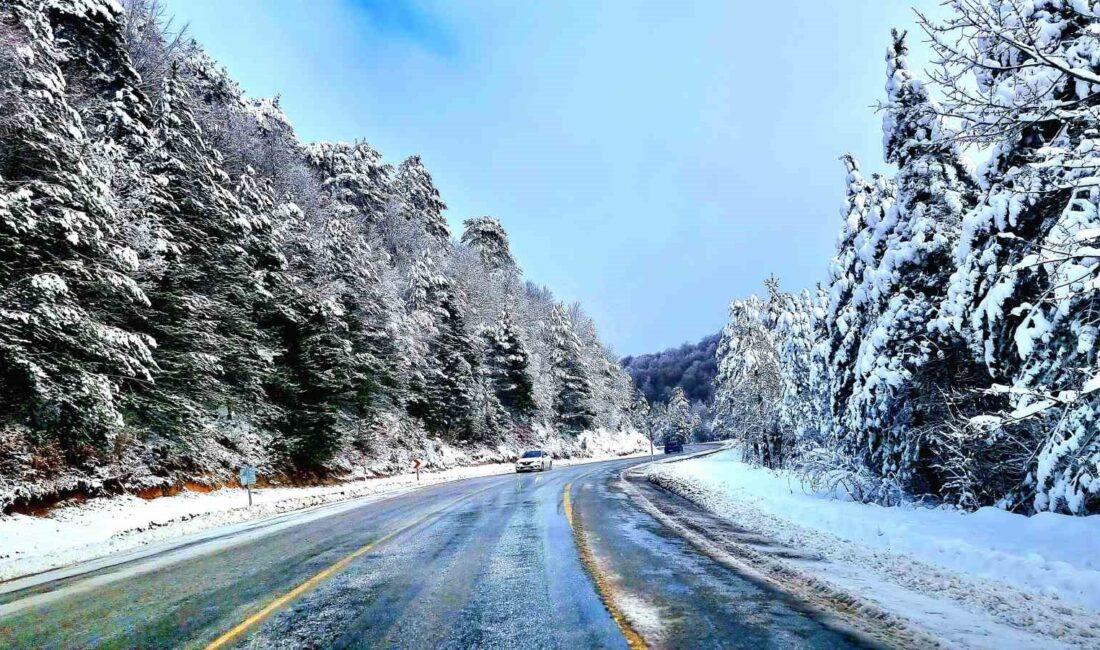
[[674, 446]]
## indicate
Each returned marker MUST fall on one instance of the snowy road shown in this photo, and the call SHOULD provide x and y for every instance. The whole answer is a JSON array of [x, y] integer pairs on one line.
[[487, 562]]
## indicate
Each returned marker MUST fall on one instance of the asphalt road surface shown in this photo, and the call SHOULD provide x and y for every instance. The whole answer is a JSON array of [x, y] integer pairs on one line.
[[495, 562]]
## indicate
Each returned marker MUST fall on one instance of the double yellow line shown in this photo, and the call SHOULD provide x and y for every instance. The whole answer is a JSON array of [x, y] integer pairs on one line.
[[231, 636], [603, 585]]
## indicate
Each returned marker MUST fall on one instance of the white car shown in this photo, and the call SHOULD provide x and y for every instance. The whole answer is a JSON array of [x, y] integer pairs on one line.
[[535, 460]]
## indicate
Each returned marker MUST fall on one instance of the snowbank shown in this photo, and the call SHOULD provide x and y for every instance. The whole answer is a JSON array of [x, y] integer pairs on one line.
[[1005, 565], [107, 525]]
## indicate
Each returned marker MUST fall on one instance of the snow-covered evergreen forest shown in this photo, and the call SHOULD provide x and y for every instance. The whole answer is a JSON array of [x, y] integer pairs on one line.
[[952, 354], [675, 390], [691, 366], [186, 287]]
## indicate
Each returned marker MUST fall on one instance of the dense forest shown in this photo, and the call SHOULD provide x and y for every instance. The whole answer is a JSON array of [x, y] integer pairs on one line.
[[692, 367], [953, 353], [186, 287]]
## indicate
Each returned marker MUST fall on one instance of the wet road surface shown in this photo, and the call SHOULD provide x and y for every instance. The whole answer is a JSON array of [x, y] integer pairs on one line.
[[481, 563]]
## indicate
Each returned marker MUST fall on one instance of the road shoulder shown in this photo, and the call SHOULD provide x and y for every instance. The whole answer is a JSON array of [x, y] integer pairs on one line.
[[896, 589], [674, 594]]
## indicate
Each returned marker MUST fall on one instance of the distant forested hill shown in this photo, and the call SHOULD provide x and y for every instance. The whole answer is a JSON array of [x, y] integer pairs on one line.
[[691, 366]]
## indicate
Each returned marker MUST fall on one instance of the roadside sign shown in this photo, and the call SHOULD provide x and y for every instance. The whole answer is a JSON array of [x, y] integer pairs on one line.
[[416, 465], [248, 477]]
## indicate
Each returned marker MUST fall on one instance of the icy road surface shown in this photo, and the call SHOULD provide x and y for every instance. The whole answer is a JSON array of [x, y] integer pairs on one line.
[[486, 562]]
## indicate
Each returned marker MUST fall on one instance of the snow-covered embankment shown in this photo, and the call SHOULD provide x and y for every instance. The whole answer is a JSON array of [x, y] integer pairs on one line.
[[984, 579]]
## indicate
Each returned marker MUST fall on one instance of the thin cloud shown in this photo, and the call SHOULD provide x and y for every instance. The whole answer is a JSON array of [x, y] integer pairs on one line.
[[411, 21]]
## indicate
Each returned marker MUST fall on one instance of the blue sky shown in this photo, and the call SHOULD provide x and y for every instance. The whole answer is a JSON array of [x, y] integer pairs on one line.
[[653, 160]]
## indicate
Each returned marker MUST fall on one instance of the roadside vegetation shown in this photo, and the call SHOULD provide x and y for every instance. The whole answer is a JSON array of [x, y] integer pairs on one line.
[[952, 355]]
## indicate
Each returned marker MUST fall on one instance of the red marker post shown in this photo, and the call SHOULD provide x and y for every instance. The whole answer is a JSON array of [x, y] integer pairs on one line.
[[416, 465]]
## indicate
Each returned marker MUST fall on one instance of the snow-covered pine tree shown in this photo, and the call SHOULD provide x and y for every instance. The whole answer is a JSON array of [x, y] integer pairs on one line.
[[420, 202], [203, 293], [487, 292], [489, 420], [354, 178], [107, 92], [612, 388], [101, 83], [901, 355], [821, 369], [851, 291], [487, 236], [802, 408], [658, 422], [326, 319], [507, 364], [842, 320], [1026, 290], [611, 385], [681, 421], [573, 409], [348, 270], [64, 274], [312, 383], [454, 369], [443, 392], [749, 386], [340, 367], [533, 312], [378, 379]]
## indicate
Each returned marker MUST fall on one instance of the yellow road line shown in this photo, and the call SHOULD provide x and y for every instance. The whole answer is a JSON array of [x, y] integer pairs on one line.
[[603, 585], [320, 577]]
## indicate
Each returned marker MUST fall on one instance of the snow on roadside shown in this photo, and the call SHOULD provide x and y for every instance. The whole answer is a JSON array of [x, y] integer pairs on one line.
[[982, 579], [646, 619], [108, 525]]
